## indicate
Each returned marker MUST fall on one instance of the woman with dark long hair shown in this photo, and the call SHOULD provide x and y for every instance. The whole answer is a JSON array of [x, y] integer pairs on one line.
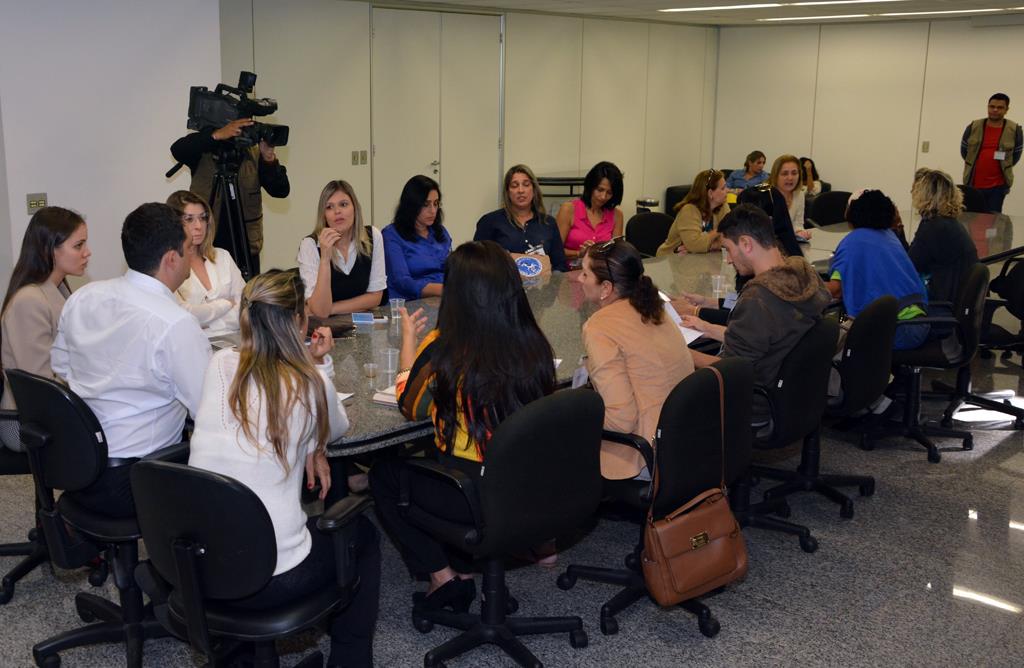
[[416, 244], [635, 352], [267, 412], [595, 215], [54, 247], [486, 359]]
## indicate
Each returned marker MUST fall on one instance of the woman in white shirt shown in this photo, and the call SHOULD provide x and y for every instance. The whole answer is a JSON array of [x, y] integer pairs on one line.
[[214, 286], [267, 412], [342, 261], [785, 178]]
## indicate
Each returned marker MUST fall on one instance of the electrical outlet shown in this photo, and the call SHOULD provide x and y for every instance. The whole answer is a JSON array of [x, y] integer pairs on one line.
[[362, 157], [355, 157], [35, 201], [925, 145]]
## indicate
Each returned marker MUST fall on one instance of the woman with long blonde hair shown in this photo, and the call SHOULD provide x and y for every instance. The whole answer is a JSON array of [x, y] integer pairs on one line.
[[214, 285], [267, 412], [342, 261]]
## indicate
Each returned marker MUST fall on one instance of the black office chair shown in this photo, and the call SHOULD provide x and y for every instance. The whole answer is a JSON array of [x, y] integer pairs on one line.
[[826, 187], [863, 370], [688, 455], [647, 231], [829, 207], [67, 451], [34, 549], [674, 195], [542, 480], [973, 199], [1008, 288], [211, 541], [954, 351], [796, 402]]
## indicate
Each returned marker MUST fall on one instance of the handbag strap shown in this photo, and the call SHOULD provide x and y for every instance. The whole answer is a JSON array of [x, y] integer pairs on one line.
[[721, 418], [721, 422]]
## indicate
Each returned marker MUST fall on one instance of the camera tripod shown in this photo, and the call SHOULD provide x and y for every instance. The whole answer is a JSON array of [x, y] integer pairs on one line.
[[224, 199]]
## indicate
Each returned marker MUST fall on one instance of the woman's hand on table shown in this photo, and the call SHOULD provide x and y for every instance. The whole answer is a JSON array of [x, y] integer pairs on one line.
[[693, 322], [317, 468], [412, 326], [681, 250], [803, 234], [320, 343]]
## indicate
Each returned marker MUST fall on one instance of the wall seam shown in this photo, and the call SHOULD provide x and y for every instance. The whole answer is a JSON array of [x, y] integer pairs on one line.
[[924, 85], [814, 94]]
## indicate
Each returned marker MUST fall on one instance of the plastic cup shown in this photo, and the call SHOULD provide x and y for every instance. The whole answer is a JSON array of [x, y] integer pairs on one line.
[[370, 370], [387, 360], [396, 307], [718, 284]]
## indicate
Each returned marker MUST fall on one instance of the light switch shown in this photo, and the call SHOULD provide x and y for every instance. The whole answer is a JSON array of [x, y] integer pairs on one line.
[[355, 157], [362, 157], [925, 145], [35, 201]]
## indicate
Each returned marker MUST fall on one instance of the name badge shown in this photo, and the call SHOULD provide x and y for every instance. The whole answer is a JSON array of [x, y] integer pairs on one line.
[[1000, 155], [536, 250]]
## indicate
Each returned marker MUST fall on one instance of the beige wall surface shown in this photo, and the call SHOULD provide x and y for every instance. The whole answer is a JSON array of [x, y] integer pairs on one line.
[[861, 98]]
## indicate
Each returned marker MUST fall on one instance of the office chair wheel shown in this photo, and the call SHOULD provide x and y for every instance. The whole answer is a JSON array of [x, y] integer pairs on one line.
[[422, 625], [867, 489], [809, 544], [846, 510], [33, 534], [632, 561], [578, 638], [709, 627], [934, 456], [511, 605], [865, 443], [84, 613], [566, 581], [98, 573], [969, 442], [7, 592], [51, 661], [609, 626]]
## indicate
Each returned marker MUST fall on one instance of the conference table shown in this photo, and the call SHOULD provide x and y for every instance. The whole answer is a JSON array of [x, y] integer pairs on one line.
[[558, 305]]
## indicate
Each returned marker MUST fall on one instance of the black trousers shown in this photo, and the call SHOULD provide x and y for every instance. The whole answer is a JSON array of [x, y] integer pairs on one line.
[[110, 494], [352, 627], [423, 553]]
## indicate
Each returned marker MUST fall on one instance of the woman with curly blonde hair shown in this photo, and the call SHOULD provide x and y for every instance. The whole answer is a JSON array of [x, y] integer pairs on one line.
[[942, 251]]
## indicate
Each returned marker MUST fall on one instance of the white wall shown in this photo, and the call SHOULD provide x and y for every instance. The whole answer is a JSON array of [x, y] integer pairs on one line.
[[859, 98], [91, 95]]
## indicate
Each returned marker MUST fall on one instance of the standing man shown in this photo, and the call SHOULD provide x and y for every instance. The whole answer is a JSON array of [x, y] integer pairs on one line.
[[990, 148], [258, 168]]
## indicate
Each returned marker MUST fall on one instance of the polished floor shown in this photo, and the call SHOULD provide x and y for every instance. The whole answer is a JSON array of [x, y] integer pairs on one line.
[[929, 572]]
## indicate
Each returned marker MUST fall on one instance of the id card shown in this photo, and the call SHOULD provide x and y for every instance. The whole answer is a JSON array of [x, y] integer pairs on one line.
[[999, 155]]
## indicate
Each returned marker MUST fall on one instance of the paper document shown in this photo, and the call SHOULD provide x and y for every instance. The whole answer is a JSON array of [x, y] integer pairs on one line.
[[386, 397], [690, 335]]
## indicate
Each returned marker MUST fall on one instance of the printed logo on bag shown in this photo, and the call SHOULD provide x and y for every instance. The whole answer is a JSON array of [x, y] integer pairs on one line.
[[529, 266]]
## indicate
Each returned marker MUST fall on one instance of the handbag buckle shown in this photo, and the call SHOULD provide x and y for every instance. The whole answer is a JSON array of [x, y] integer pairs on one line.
[[700, 540]]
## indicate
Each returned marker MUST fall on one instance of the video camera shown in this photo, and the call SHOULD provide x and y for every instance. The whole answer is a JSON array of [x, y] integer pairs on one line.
[[217, 108]]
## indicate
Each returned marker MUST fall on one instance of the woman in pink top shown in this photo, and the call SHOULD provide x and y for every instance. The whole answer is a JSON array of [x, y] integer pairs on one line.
[[595, 216]]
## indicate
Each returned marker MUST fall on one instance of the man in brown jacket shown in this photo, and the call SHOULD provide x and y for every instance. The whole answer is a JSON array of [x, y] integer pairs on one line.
[[775, 308]]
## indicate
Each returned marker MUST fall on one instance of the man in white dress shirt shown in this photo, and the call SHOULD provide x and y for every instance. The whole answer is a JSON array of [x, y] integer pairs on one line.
[[133, 355]]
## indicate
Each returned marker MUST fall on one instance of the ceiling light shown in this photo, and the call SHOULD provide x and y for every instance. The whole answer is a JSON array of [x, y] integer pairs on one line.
[[839, 2], [763, 5], [819, 18], [945, 11], [960, 592]]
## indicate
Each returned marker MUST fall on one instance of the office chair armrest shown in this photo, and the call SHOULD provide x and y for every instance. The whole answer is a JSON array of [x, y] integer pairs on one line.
[[8, 415], [763, 391], [177, 454], [342, 512], [634, 441], [930, 320], [451, 476]]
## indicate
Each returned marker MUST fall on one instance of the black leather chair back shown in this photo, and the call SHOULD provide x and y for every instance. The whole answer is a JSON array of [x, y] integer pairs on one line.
[[759, 195], [973, 199], [225, 523], [738, 375], [867, 355], [1011, 289], [647, 231], [968, 309], [829, 207], [542, 471], [674, 195], [689, 443], [798, 394], [62, 435]]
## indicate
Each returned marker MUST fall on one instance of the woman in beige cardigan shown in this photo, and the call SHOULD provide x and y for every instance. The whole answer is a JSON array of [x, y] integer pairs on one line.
[[635, 352], [694, 229], [55, 246]]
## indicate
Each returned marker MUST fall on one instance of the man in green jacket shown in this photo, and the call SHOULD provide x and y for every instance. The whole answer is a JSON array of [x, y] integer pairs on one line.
[[990, 148]]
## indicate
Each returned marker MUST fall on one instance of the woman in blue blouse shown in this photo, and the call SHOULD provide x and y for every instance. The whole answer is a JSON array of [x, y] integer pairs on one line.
[[522, 225], [416, 245], [752, 173]]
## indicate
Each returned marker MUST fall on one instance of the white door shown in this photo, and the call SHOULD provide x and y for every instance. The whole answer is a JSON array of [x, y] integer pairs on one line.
[[436, 110]]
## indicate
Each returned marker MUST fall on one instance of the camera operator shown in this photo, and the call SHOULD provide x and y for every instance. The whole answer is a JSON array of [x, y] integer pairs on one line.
[[258, 167]]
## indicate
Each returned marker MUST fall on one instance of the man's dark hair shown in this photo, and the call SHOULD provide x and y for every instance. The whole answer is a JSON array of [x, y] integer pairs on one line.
[[873, 209], [748, 220], [148, 232], [1001, 96]]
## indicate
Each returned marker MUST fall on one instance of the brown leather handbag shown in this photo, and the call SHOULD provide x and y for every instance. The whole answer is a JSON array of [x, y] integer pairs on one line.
[[697, 547]]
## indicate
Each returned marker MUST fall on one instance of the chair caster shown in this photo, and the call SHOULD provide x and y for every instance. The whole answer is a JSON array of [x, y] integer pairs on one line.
[[709, 627], [98, 574], [422, 625], [969, 443], [846, 511], [865, 443], [578, 638], [84, 613], [609, 626], [33, 534], [809, 544], [49, 661], [934, 456], [632, 561], [511, 605], [566, 581], [867, 489]]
